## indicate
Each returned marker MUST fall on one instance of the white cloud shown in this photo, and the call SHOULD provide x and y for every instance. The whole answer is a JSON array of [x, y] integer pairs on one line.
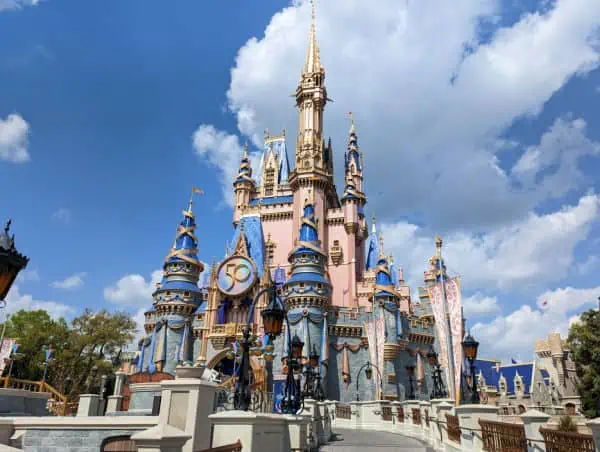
[[222, 151], [72, 282], [28, 276], [517, 332], [424, 106], [587, 266], [7, 5], [534, 251], [62, 215], [561, 146], [478, 305], [14, 132], [16, 301], [133, 290]]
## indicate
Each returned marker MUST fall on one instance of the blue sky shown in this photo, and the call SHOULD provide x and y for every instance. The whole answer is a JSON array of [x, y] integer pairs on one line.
[[480, 122]]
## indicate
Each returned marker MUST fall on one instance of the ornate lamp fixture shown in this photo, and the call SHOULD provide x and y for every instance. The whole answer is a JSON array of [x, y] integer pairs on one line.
[[11, 261], [470, 346], [439, 391], [369, 374], [410, 371]]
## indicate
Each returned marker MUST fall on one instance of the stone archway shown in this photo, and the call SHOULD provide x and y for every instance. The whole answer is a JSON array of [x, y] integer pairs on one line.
[[218, 358]]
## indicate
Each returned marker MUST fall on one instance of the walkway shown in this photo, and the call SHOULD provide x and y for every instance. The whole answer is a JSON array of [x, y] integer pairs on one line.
[[365, 440]]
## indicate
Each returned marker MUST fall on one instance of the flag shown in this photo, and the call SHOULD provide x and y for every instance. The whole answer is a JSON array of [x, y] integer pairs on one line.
[[197, 190], [48, 353]]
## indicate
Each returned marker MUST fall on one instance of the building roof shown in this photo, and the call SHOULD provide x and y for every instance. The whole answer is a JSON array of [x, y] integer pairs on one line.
[[255, 240], [492, 370]]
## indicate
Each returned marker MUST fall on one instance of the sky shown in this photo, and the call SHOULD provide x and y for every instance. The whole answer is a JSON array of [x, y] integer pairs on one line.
[[479, 121]]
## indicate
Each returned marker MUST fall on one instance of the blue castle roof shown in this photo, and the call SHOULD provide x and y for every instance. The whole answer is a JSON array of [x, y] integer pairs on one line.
[[352, 155], [185, 248], [278, 147], [253, 232], [492, 370], [372, 249]]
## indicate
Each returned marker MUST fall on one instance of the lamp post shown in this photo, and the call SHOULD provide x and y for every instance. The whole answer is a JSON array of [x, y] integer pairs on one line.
[[92, 379], [312, 381], [439, 391], [470, 346], [14, 356], [410, 371], [368, 373]]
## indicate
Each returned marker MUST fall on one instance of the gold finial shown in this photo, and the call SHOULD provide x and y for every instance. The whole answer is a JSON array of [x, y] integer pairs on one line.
[[373, 227], [352, 128], [245, 150], [226, 248], [266, 134], [283, 133], [438, 244], [381, 252], [313, 61]]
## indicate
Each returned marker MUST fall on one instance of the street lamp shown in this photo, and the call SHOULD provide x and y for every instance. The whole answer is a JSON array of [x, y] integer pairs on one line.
[[368, 373], [470, 346], [410, 371], [439, 391], [14, 356]]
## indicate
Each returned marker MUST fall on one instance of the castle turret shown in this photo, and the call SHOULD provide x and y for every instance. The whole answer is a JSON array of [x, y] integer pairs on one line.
[[243, 186], [175, 301], [308, 290], [314, 163]]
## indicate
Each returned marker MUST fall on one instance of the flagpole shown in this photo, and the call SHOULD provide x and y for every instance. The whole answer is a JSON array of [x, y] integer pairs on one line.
[[449, 347]]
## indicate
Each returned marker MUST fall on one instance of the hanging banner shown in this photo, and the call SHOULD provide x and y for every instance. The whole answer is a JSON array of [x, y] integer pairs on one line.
[[436, 298], [376, 336], [454, 300], [5, 349]]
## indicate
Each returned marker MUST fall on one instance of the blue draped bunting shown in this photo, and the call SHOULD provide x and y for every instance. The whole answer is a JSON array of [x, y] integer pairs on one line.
[[151, 364]]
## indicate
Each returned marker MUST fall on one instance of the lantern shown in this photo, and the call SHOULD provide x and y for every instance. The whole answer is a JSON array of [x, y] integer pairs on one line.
[[273, 316], [297, 346], [369, 372], [314, 359], [470, 346], [432, 357]]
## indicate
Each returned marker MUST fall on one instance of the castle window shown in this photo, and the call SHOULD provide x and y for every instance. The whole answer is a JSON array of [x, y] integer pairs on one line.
[[319, 286], [270, 249], [186, 294], [188, 266], [168, 292], [269, 181]]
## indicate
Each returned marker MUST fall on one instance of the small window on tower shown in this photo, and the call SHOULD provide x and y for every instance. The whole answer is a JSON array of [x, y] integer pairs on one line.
[[269, 181], [186, 294]]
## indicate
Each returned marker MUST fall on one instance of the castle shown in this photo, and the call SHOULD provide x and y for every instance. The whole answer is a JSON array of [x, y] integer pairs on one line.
[[345, 297]]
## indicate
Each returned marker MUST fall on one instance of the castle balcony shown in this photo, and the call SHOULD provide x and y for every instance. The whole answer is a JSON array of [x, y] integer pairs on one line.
[[228, 332]]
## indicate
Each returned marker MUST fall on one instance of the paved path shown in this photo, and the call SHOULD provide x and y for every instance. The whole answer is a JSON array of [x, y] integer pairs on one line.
[[365, 440]]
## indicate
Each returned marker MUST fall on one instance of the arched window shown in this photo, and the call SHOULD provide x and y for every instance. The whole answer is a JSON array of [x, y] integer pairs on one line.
[[521, 409]]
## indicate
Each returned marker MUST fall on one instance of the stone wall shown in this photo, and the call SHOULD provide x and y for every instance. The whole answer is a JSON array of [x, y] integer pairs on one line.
[[69, 440], [16, 402]]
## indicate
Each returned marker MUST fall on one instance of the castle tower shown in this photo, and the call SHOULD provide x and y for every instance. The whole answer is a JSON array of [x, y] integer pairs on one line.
[[243, 186], [307, 291], [314, 162], [175, 301]]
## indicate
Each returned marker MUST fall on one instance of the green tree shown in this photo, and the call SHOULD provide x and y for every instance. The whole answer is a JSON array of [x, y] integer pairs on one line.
[[92, 339], [584, 343]]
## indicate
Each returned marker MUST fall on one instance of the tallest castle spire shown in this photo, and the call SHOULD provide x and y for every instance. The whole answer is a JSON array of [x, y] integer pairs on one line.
[[313, 60], [311, 97]]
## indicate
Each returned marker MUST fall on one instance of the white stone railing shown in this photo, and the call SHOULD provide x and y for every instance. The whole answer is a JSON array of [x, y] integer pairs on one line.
[[426, 421]]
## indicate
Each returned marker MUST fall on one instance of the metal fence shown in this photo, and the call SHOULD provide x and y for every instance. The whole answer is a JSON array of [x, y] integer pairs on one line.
[[416, 416], [453, 428], [386, 413], [502, 436], [567, 442], [343, 411]]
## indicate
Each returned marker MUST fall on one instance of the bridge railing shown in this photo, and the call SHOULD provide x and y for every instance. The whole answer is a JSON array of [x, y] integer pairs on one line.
[[58, 404], [447, 427]]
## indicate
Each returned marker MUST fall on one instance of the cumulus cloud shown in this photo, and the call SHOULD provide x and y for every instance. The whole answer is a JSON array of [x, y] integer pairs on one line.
[[432, 106], [478, 305], [72, 282], [133, 290], [516, 333], [14, 132], [7, 5], [62, 215], [16, 301], [28, 276], [534, 251], [222, 151]]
